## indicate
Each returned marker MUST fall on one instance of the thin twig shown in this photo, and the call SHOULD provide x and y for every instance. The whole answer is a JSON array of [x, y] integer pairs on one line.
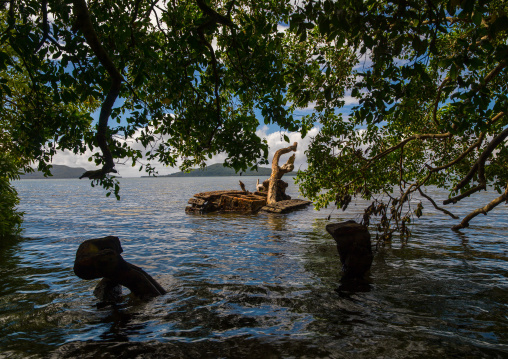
[[436, 206]]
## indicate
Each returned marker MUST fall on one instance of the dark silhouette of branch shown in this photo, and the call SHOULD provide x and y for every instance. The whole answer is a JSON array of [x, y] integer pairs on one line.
[[84, 24], [214, 68], [214, 18], [479, 166], [45, 25], [218, 18], [435, 205], [133, 21], [496, 71], [483, 210], [438, 99]]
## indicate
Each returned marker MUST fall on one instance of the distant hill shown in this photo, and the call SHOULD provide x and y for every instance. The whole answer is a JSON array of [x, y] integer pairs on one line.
[[58, 171], [218, 170]]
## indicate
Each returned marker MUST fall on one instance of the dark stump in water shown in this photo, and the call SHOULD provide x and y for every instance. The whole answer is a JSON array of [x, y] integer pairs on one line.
[[100, 258], [354, 246]]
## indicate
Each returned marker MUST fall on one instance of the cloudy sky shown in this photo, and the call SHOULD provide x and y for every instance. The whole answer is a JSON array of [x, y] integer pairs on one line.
[[275, 141], [274, 137]]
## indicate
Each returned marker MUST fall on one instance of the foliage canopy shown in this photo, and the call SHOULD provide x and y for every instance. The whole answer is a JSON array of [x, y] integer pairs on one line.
[[181, 78], [186, 78], [430, 82]]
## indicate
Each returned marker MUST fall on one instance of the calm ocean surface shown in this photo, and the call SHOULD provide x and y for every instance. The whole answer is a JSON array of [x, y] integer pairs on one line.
[[246, 286]]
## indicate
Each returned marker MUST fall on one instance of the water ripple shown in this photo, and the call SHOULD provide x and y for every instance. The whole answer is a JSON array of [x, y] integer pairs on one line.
[[247, 286]]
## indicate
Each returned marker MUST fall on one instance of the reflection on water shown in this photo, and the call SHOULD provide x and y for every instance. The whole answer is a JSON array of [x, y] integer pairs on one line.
[[253, 286]]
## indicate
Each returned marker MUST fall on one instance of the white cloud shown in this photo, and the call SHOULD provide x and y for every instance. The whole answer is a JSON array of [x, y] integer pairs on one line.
[[282, 27], [275, 141], [350, 100], [70, 159]]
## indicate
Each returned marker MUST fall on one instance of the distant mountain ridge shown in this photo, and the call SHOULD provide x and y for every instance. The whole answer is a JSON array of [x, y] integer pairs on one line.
[[58, 172], [218, 170]]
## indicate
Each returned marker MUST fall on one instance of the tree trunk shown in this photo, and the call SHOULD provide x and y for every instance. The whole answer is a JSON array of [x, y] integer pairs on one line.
[[274, 188]]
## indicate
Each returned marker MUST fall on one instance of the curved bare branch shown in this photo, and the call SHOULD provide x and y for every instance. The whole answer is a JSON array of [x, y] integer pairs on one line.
[[438, 99], [460, 157], [483, 210], [435, 205], [491, 75]]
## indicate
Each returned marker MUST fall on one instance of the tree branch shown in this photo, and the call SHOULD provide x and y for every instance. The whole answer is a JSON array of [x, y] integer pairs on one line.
[[483, 210], [436, 103], [215, 18], [480, 163], [435, 205], [491, 75], [460, 157], [215, 71], [133, 20], [45, 25], [218, 18], [403, 143], [84, 23], [481, 186]]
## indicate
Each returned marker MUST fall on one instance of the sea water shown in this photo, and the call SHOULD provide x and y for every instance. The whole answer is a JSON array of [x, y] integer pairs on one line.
[[246, 286]]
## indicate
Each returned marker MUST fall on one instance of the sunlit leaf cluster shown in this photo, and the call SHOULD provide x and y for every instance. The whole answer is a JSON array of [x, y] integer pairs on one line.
[[429, 79]]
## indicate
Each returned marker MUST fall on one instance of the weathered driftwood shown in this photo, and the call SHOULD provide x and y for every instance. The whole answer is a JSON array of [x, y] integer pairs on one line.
[[100, 258], [242, 186], [242, 203], [285, 206], [269, 197], [280, 192], [354, 246], [212, 195], [209, 201], [274, 183]]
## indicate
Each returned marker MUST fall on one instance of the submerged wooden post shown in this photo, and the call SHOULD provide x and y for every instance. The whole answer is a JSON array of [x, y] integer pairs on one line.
[[100, 258], [274, 185], [354, 246]]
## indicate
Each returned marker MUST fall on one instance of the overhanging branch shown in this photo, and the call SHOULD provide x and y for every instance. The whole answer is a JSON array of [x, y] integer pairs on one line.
[[483, 210], [480, 163], [83, 23], [45, 25], [435, 205], [460, 157], [412, 138]]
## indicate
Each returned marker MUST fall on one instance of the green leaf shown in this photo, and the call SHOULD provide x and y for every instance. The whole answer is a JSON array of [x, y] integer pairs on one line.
[[477, 18], [7, 90], [453, 73]]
